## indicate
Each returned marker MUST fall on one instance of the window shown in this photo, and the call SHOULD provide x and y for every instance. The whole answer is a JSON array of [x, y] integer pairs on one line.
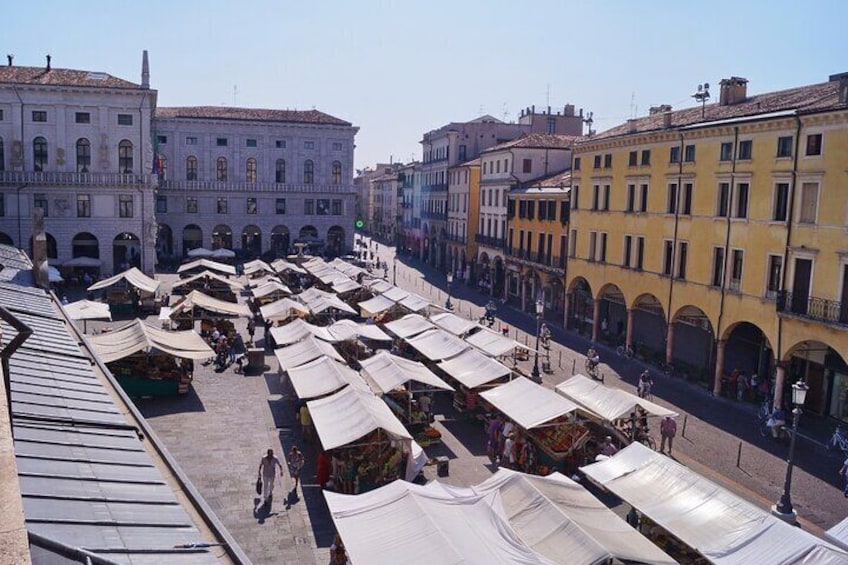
[[531, 209], [191, 167], [593, 244], [191, 140], [631, 197], [781, 202], [82, 118], [280, 171], [39, 154], [633, 159], [687, 199], [337, 207], [603, 247], [221, 142], [640, 253], [674, 154], [161, 204], [336, 173], [671, 199], [718, 267], [1, 115], [125, 119], [250, 143], [668, 257], [39, 116], [689, 154], [39, 200], [738, 257], [323, 206], [162, 163], [83, 155], [608, 161], [643, 204], [543, 209], [161, 139], [251, 170], [308, 172], [309, 206], [809, 201], [775, 273], [221, 169], [2, 153], [575, 194], [596, 195], [742, 200], [309, 145], [125, 157], [223, 205], [280, 144], [682, 252], [84, 206], [726, 152], [563, 212], [745, 149], [597, 163], [125, 206], [646, 157], [2, 198], [576, 164], [497, 166], [572, 244], [527, 166], [784, 146], [522, 208], [628, 244], [723, 199], [251, 206], [191, 205], [814, 144], [280, 206]]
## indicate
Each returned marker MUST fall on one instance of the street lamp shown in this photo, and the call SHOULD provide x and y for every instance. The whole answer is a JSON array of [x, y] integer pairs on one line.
[[448, 303], [783, 508], [394, 269], [540, 309]]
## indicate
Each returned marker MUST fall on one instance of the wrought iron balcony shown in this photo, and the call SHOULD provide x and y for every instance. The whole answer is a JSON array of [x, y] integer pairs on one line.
[[225, 186], [497, 242], [57, 178], [812, 308], [455, 238], [434, 215]]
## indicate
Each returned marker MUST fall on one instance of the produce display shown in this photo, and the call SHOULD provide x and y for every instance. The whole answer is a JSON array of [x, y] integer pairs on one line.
[[429, 436], [562, 438]]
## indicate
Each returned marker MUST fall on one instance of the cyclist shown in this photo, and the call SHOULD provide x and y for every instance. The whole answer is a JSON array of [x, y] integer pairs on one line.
[[645, 384], [778, 423], [545, 335], [592, 360]]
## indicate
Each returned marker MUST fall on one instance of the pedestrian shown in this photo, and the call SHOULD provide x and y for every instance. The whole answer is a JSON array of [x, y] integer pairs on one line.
[[843, 472], [668, 429], [742, 386], [238, 351], [268, 466], [296, 462], [268, 345], [506, 430], [608, 448], [494, 438], [424, 402], [251, 329], [645, 384], [508, 457], [322, 470], [305, 422], [633, 518]]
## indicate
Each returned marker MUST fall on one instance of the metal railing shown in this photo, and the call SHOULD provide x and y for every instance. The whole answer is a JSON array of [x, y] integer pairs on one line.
[[812, 308], [225, 186], [455, 238], [489, 240], [434, 215], [75, 179]]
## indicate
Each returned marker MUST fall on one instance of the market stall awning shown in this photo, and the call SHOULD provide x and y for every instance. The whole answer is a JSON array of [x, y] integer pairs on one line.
[[323, 376], [196, 299], [379, 285], [395, 294], [375, 306], [491, 343], [199, 252], [342, 286], [282, 310], [257, 266], [409, 325], [319, 301], [207, 264], [452, 323], [82, 262], [344, 330], [415, 303], [838, 534], [473, 369], [297, 330], [223, 253], [306, 350], [529, 405], [607, 403], [88, 310], [350, 415], [259, 281], [282, 266], [270, 287], [138, 336], [208, 276], [722, 526], [437, 344], [134, 277], [386, 372]]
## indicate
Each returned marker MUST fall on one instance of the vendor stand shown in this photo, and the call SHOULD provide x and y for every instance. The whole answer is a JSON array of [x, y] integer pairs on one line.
[[323, 305], [453, 324], [473, 373], [323, 376], [193, 267], [210, 284], [88, 310], [409, 326], [304, 351], [283, 310], [147, 361], [257, 268], [197, 305], [498, 346], [130, 292], [270, 291]]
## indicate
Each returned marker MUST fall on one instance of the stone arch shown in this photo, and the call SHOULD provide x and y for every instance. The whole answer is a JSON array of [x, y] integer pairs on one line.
[[825, 371], [613, 314], [747, 348], [85, 244], [499, 280], [5, 239], [164, 242], [280, 240], [126, 251], [649, 328], [308, 232], [554, 293], [580, 304], [222, 237], [251, 240], [692, 350], [192, 238], [335, 241]]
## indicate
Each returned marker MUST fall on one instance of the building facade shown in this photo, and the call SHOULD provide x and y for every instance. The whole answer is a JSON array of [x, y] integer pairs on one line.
[[409, 178], [463, 185]]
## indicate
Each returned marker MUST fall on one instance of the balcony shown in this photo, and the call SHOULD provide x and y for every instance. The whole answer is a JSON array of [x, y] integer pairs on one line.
[[224, 186], [406, 204], [812, 308], [496, 242], [434, 215], [75, 179], [441, 187], [455, 238], [534, 259]]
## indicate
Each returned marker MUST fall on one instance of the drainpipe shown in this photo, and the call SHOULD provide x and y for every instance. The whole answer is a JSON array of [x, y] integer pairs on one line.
[[6, 353], [23, 169], [677, 197]]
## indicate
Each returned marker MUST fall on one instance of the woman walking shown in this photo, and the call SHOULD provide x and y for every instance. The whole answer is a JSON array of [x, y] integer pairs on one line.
[[296, 461]]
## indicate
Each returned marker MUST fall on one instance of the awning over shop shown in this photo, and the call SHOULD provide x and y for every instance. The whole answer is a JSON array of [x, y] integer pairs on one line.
[[529, 405], [452, 323], [283, 310], [134, 277], [379, 285], [200, 252], [323, 376], [723, 527], [207, 264], [491, 343], [375, 306], [223, 253], [473, 369], [608, 403], [270, 287], [347, 268], [344, 330], [386, 372], [306, 350], [297, 330], [196, 299], [409, 325], [437, 344], [208, 276], [257, 266], [838, 534], [88, 310], [138, 336]]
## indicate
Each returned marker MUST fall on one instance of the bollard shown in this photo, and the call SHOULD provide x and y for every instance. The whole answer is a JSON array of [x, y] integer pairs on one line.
[[685, 419], [739, 455], [560, 358], [573, 366]]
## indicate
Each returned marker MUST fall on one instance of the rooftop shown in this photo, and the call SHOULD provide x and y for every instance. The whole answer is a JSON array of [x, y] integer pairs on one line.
[[538, 141], [250, 115], [61, 77]]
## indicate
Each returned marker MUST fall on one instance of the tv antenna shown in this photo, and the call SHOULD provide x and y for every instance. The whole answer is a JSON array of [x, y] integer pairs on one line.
[[235, 94], [702, 96], [589, 121]]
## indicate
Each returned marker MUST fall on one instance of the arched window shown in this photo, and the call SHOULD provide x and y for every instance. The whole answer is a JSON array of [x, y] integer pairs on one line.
[[39, 154], [191, 168], [125, 157], [251, 170], [280, 173], [337, 172], [221, 170], [83, 155], [2, 156], [308, 172]]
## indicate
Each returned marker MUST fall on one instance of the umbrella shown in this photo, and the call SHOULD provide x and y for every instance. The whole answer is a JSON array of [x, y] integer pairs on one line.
[[224, 253], [200, 252], [83, 262]]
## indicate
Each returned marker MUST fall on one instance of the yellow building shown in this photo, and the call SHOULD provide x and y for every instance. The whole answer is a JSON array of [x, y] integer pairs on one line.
[[463, 192], [714, 238]]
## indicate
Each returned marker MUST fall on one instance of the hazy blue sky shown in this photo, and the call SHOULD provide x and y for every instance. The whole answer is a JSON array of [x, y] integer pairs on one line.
[[397, 69]]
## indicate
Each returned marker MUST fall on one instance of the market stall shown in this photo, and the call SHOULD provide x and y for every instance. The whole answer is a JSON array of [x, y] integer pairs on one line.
[[437, 345], [320, 302], [199, 252], [88, 310], [198, 265], [496, 345], [283, 310], [375, 307], [297, 330], [345, 286], [147, 361], [130, 292], [474, 373], [306, 350], [197, 305], [256, 268], [453, 324], [210, 284], [283, 266], [415, 304], [323, 376], [408, 326], [268, 292]]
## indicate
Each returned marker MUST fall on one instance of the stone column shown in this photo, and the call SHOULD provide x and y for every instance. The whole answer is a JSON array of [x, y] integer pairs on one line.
[[719, 369], [596, 319], [523, 284], [779, 379], [628, 339], [566, 301], [669, 343]]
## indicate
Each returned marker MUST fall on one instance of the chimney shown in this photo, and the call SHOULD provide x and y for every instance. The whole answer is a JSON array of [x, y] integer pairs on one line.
[[733, 91], [9, 57], [667, 119], [631, 125], [569, 110], [48, 62], [661, 109], [145, 70], [842, 79]]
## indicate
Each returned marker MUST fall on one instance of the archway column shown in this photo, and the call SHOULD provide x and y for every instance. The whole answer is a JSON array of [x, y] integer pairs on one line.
[[779, 379], [669, 343], [596, 319], [566, 301], [628, 340], [721, 346], [523, 292]]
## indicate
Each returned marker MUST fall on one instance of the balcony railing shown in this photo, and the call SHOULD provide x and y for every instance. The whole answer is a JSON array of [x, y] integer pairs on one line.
[[812, 308], [75, 179], [441, 187], [489, 240], [434, 215], [534, 258], [223, 186], [455, 238]]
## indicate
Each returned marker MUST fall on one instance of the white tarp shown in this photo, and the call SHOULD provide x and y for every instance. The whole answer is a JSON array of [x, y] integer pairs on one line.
[[283, 310], [319, 301], [297, 330], [839, 534], [491, 343], [437, 344], [259, 281], [323, 376], [256, 266], [725, 528], [200, 252], [527, 404], [342, 286], [223, 253], [138, 336], [608, 403], [374, 306], [409, 325], [270, 287], [344, 330], [207, 264], [386, 372], [415, 303], [474, 369], [281, 266], [453, 323], [208, 276], [306, 350], [379, 285], [395, 294], [88, 310], [134, 277], [196, 299]]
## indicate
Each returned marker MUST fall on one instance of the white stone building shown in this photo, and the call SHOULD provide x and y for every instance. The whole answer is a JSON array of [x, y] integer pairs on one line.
[[77, 144]]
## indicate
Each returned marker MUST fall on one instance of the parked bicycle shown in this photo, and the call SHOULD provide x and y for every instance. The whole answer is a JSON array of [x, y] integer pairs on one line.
[[624, 350], [839, 440]]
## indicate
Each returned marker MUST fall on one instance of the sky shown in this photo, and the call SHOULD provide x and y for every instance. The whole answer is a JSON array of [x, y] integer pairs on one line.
[[398, 69]]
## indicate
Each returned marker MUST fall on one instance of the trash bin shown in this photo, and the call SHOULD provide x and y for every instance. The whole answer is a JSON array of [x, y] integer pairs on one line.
[[255, 360], [442, 466]]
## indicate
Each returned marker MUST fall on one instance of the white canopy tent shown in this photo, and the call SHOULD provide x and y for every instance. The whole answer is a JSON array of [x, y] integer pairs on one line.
[[415, 303], [409, 325], [723, 527], [348, 329], [282, 266], [257, 266], [223, 253], [385, 372], [207, 264], [270, 287], [196, 299], [208, 276], [283, 310], [297, 330], [200, 252], [260, 280], [375, 306], [608, 403], [838, 534], [323, 376], [379, 285], [395, 294], [437, 344], [88, 310], [342, 286], [491, 343], [452, 323], [306, 350], [529, 405], [473, 369], [82, 262], [132, 276], [138, 336], [319, 301]]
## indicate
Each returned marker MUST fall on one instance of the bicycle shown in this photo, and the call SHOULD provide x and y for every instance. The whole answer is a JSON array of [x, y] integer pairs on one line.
[[839, 440], [624, 350], [645, 392], [648, 441]]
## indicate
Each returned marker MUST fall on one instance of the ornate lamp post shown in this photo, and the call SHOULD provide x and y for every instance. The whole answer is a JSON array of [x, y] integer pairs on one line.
[[540, 309], [394, 269], [448, 303], [783, 508]]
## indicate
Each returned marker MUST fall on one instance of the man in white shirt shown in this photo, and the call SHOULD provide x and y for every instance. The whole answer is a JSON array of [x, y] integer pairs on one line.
[[267, 471]]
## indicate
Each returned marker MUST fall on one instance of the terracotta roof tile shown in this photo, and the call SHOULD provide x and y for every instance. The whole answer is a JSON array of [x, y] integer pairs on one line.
[[558, 180], [61, 77], [250, 114], [538, 141]]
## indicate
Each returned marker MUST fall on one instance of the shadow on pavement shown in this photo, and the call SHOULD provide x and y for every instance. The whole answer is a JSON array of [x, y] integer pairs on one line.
[[160, 406]]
